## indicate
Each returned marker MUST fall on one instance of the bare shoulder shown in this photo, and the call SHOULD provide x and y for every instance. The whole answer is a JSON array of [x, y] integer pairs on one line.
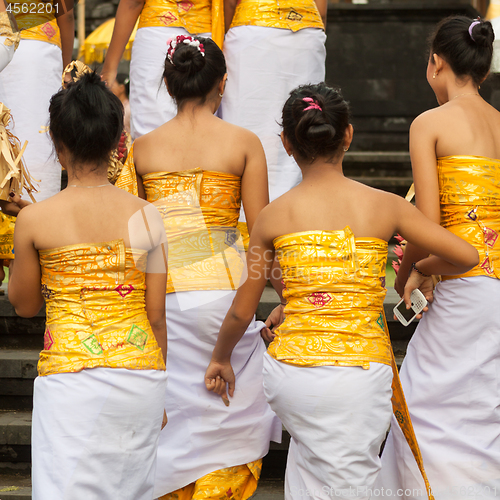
[[268, 223], [429, 120], [241, 136]]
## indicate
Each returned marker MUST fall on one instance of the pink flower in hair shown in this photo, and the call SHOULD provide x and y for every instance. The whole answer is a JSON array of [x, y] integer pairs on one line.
[[172, 44], [312, 104]]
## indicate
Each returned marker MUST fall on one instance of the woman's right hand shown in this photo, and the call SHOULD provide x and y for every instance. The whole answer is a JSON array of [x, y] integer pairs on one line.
[[165, 420], [274, 320], [217, 376]]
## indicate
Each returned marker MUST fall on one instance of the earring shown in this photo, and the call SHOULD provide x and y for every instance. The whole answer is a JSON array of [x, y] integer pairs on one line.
[[221, 95], [346, 149], [434, 75]]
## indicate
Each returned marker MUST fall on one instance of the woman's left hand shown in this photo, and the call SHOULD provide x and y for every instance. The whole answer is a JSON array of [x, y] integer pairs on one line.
[[216, 378], [14, 206], [165, 420], [415, 280]]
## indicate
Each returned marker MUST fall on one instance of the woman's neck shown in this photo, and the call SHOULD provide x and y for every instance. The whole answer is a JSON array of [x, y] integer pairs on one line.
[[86, 177], [320, 168]]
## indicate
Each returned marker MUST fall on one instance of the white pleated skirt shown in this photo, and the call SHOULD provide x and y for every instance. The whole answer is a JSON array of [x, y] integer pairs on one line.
[[95, 433], [203, 435], [337, 418], [264, 65], [451, 379]]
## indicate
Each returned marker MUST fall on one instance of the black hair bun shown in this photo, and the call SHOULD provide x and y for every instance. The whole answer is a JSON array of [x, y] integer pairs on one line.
[[188, 59], [87, 119], [483, 34], [315, 119]]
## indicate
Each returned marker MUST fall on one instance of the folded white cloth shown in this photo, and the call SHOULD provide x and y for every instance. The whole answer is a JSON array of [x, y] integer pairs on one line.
[[264, 65], [26, 86], [203, 435], [450, 377], [337, 418], [95, 433]]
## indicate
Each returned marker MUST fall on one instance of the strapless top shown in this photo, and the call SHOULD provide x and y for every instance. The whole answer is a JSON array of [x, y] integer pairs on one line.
[[195, 16], [334, 285], [36, 20], [469, 192], [95, 308], [200, 211], [285, 14]]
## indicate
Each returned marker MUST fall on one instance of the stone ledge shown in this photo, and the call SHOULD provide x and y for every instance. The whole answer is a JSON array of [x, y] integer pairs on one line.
[[15, 427]]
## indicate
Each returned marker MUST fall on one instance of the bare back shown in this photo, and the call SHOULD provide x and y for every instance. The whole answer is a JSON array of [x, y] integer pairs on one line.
[[202, 141], [467, 126], [331, 202], [91, 215]]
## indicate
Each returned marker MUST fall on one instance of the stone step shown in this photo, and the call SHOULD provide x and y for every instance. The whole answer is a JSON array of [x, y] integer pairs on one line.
[[14, 488]]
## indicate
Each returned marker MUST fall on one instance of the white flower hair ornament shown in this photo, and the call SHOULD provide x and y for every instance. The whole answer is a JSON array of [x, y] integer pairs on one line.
[[172, 44]]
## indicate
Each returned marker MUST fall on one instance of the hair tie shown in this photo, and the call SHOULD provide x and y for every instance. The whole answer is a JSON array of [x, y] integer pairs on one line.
[[478, 21], [312, 104], [172, 44]]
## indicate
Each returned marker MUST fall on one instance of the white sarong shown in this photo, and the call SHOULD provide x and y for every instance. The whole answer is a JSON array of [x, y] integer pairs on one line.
[[150, 103], [6, 53], [264, 65], [203, 435], [26, 86], [451, 380], [95, 433], [337, 418]]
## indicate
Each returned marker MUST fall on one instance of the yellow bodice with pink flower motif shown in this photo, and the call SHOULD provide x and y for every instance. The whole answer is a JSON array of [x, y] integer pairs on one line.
[[36, 20], [195, 16], [95, 309], [469, 192], [200, 211], [291, 15], [334, 285]]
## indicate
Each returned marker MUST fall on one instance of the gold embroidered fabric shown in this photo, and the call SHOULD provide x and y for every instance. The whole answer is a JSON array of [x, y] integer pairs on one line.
[[469, 191], [200, 211], [334, 285], [127, 178], [195, 16], [36, 20], [11, 38], [231, 483], [95, 309], [286, 14], [7, 224]]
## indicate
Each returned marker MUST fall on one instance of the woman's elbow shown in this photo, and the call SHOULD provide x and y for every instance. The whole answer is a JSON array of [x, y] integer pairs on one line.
[[27, 310]]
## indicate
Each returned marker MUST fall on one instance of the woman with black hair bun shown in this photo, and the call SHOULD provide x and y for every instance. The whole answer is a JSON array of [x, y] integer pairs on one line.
[[327, 373], [198, 170], [450, 371], [96, 256]]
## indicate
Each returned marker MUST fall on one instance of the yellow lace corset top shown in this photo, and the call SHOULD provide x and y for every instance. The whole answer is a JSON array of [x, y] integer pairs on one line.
[[36, 20], [95, 309], [200, 211], [285, 14], [469, 191], [195, 16], [334, 285]]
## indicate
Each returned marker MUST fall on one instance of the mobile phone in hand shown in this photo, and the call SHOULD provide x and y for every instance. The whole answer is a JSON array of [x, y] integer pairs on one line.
[[418, 302]]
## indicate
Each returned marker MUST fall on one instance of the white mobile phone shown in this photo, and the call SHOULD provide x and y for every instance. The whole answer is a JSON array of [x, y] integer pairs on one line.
[[418, 302]]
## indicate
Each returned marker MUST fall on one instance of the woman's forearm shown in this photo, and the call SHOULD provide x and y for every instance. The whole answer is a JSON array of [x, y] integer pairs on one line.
[[66, 24], [126, 16]]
